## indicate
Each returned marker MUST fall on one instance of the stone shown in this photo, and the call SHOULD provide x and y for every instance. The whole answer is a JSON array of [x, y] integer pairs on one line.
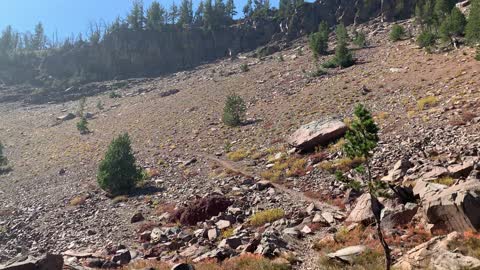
[[348, 254], [122, 257], [398, 171], [311, 207], [462, 170], [46, 262], [231, 242], [362, 212], [398, 214], [328, 217], [213, 234], [137, 217], [424, 189], [435, 255], [435, 173], [223, 224], [317, 133], [306, 230], [318, 219], [66, 117], [156, 235], [292, 232], [202, 209], [455, 208], [262, 185], [183, 266]]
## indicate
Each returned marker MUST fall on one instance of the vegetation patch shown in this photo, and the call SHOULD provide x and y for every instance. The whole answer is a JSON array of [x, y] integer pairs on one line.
[[447, 180], [427, 102], [267, 216], [238, 155]]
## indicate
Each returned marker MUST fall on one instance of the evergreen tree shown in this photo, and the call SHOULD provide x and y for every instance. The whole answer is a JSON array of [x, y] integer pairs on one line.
[[234, 111], [472, 30], [136, 19], [319, 40], [117, 172], [173, 14], [39, 39], [360, 39], [155, 16], [186, 15], [343, 56], [248, 9], [284, 8], [341, 33], [453, 25], [397, 32], [7, 40], [442, 9], [198, 18], [360, 140], [208, 15], [230, 9]]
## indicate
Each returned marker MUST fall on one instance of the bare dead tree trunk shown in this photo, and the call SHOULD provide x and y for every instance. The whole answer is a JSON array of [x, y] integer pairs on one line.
[[377, 210]]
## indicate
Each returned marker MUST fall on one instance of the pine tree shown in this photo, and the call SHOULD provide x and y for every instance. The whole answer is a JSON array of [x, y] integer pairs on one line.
[[341, 33], [472, 30], [397, 32], [234, 111], [117, 172], [361, 139], [230, 9], [173, 14], [247, 9], [442, 9], [208, 15], [198, 18], [453, 25], [39, 39], [135, 19], [186, 15], [155, 16], [343, 56], [319, 40]]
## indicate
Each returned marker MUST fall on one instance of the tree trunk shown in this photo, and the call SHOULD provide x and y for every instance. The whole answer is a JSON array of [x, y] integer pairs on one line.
[[376, 209]]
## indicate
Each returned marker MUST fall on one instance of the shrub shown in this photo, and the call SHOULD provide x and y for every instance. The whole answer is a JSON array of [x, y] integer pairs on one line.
[[319, 41], [397, 32], [426, 39], [360, 39], [343, 56], [234, 111], [429, 101], [118, 173], [114, 94], [477, 54], [267, 216], [453, 25], [82, 126], [100, 105], [3, 159], [81, 106], [318, 72], [329, 64], [244, 67], [237, 155], [447, 180]]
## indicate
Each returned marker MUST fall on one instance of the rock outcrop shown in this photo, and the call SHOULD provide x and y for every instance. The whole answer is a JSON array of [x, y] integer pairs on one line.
[[316, 133]]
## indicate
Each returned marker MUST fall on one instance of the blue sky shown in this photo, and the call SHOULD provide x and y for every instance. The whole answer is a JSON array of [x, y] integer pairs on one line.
[[70, 16]]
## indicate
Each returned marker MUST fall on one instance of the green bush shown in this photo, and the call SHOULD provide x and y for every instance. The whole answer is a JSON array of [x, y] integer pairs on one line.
[[234, 111], [82, 126], [319, 41], [426, 39], [477, 54], [453, 25], [397, 32], [113, 94], [330, 64], [343, 56], [318, 72], [342, 34], [360, 39], [117, 172], [244, 67], [3, 159]]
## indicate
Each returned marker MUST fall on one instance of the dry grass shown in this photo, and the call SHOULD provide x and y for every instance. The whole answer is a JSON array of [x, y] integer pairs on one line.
[[120, 199], [336, 147], [343, 164], [238, 155], [426, 102], [447, 180], [291, 167], [78, 200], [266, 216], [226, 233], [370, 260], [468, 244]]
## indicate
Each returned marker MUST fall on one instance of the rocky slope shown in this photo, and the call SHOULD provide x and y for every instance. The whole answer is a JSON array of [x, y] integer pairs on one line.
[[426, 106]]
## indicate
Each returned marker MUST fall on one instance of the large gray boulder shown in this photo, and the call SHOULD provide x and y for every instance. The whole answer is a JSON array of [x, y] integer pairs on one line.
[[317, 133], [435, 254], [454, 208], [46, 262]]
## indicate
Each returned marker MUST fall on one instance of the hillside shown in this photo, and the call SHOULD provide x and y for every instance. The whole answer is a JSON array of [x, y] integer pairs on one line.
[[426, 105]]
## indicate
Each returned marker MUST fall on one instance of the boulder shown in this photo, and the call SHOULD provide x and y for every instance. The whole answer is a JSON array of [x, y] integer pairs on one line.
[[424, 189], [398, 171], [47, 262], [399, 214], [348, 254], [462, 170], [137, 217], [455, 208], [317, 133], [66, 117], [362, 213], [435, 173], [183, 266], [201, 210], [434, 254], [122, 256]]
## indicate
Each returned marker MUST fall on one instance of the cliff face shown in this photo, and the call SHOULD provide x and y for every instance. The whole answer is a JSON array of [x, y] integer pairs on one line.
[[128, 53]]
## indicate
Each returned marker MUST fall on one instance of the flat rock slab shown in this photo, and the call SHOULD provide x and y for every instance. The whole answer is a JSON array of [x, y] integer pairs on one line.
[[317, 133]]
